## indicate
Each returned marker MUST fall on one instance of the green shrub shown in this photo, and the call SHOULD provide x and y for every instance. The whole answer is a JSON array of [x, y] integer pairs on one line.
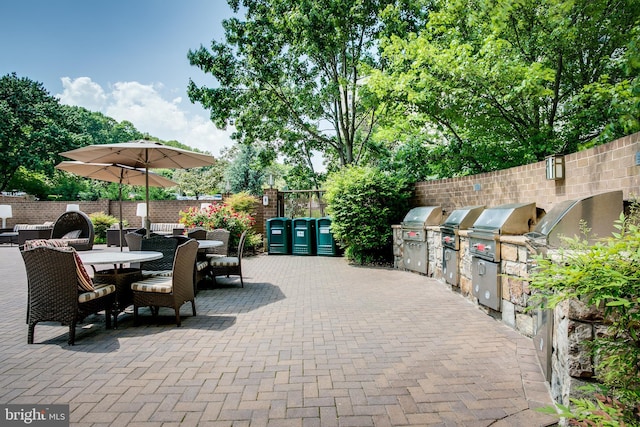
[[363, 203], [219, 216], [605, 275], [242, 202], [101, 222]]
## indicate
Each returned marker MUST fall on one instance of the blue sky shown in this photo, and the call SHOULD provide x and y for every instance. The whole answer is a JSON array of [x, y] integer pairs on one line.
[[124, 58]]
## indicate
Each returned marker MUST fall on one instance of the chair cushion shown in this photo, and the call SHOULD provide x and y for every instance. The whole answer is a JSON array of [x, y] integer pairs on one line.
[[85, 283], [161, 285], [99, 292], [225, 261], [202, 265], [157, 273], [74, 234]]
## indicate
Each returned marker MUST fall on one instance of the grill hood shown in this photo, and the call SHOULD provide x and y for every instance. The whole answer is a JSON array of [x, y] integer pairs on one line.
[[514, 218], [423, 216], [463, 218], [599, 211]]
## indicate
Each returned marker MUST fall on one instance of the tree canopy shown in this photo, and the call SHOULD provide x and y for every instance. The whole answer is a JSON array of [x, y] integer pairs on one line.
[[489, 85], [33, 127], [289, 75]]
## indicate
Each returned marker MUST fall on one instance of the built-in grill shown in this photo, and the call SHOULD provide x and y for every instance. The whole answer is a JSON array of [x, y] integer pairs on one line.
[[415, 255], [459, 219], [599, 212], [484, 246]]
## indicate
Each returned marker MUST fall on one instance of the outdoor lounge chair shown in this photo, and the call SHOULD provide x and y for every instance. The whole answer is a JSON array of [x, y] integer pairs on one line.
[[171, 291], [54, 295], [75, 227], [229, 265]]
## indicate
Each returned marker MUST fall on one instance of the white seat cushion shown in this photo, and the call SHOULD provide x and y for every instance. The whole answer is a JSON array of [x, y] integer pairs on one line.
[[225, 261], [100, 291], [157, 273], [202, 265], [161, 285]]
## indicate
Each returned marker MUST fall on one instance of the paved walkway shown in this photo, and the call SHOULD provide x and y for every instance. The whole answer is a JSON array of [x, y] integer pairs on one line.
[[309, 341]]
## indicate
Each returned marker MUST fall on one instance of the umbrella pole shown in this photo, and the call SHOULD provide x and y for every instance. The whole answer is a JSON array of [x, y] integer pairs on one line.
[[147, 222], [120, 198]]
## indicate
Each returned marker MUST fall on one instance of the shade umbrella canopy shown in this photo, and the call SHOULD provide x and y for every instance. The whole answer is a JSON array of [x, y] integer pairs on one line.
[[115, 173], [141, 154], [120, 174]]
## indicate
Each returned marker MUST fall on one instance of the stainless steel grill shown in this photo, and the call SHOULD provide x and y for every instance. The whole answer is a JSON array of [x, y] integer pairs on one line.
[[459, 219], [415, 254], [600, 213], [484, 240]]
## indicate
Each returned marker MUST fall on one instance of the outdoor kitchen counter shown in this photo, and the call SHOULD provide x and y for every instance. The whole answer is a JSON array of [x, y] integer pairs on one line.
[[514, 240]]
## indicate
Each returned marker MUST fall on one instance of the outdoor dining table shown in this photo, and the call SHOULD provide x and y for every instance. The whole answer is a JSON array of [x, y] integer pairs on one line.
[[119, 276], [208, 244]]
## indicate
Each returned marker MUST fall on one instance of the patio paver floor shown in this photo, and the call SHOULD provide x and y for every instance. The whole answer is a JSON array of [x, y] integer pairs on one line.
[[309, 341]]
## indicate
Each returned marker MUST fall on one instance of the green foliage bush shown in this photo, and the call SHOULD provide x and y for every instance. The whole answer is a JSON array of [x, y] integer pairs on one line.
[[219, 216], [605, 275], [242, 202], [101, 222], [363, 203]]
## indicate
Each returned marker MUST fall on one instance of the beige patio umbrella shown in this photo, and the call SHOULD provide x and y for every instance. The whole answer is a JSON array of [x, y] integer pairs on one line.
[[116, 173], [141, 154]]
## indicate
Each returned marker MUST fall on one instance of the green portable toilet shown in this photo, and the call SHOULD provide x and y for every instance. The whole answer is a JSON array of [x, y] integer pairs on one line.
[[279, 236], [303, 236], [325, 243]]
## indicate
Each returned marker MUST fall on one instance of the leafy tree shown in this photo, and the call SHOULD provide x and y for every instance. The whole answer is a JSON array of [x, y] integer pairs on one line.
[[33, 128], [245, 173], [505, 83], [200, 181], [289, 75]]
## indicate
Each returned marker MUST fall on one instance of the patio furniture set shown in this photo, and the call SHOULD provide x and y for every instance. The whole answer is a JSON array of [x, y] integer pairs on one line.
[[163, 271]]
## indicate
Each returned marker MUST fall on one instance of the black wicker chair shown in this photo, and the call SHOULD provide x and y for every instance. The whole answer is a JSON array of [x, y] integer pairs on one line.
[[164, 265], [229, 265], [197, 233], [71, 223], [53, 294], [172, 291]]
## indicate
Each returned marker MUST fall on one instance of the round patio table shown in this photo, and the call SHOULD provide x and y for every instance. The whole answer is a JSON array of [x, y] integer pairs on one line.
[[115, 258], [208, 244]]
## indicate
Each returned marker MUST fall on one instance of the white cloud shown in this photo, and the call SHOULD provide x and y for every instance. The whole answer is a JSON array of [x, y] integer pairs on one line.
[[83, 92], [145, 107]]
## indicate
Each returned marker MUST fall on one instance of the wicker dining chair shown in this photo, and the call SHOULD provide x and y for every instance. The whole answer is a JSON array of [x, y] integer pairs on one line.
[[164, 265], [229, 265], [197, 233], [53, 292], [172, 291], [222, 235], [201, 267]]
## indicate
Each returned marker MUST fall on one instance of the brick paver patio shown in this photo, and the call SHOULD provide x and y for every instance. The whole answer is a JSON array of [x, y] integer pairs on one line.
[[309, 341]]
